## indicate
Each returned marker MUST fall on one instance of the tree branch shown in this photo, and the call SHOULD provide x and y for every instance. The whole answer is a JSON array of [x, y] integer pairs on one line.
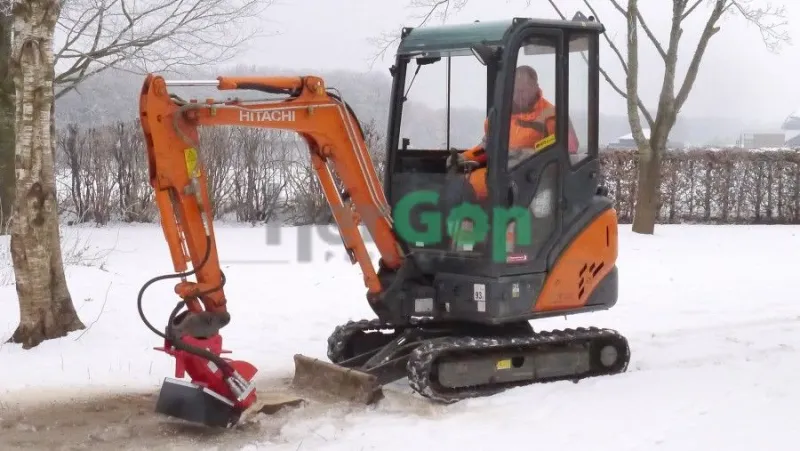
[[650, 35], [149, 35], [666, 100], [688, 12], [647, 116], [440, 9], [625, 65], [768, 20], [709, 30], [632, 81], [613, 85], [619, 8], [611, 44]]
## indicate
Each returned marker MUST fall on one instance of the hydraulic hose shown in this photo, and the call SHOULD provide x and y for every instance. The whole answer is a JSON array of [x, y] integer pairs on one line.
[[172, 337]]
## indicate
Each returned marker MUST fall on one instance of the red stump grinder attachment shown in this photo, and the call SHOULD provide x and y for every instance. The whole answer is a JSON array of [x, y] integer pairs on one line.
[[216, 396]]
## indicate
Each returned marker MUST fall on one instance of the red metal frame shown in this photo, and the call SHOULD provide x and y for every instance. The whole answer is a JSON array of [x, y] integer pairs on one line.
[[205, 373]]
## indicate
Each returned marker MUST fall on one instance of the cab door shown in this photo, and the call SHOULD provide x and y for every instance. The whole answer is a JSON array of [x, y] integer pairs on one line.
[[533, 143]]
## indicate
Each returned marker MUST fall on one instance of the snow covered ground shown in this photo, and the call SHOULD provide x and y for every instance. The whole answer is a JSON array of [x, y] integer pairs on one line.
[[711, 312]]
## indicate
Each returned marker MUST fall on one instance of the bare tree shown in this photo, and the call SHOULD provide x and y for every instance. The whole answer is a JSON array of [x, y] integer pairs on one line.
[[768, 19], [219, 151], [92, 181], [136, 199], [260, 158], [46, 309], [306, 203], [652, 147], [376, 145]]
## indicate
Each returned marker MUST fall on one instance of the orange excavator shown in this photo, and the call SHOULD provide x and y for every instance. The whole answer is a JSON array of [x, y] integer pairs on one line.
[[459, 278]]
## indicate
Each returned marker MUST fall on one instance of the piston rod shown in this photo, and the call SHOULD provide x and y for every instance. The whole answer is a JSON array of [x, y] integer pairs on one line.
[[192, 82]]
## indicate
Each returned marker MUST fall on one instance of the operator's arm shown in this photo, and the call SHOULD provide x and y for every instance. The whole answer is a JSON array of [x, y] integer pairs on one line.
[[526, 133], [478, 153], [522, 134]]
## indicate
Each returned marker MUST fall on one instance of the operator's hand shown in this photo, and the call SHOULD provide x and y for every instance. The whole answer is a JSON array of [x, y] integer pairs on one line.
[[456, 160]]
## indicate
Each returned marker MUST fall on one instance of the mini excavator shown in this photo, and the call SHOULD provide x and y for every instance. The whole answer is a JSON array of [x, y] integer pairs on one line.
[[452, 319]]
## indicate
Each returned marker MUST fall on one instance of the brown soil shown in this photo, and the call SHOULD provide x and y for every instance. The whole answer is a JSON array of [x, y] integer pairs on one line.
[[118, 422], [114, 422]]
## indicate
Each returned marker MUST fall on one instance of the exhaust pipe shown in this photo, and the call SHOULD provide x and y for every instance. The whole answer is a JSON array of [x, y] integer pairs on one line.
[[345, 383]]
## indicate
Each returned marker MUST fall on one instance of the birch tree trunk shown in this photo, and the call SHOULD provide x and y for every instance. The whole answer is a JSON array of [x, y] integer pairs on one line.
[[46, 309], [6, 125]]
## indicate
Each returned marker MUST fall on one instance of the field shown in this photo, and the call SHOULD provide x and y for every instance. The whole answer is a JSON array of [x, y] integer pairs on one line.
[[711, 313]]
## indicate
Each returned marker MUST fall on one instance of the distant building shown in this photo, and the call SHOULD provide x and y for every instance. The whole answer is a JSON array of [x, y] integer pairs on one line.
[[760, 140], [627, 141], [791, 130]]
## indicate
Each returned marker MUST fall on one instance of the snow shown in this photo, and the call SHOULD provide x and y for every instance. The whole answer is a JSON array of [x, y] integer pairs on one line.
[[710, 311]]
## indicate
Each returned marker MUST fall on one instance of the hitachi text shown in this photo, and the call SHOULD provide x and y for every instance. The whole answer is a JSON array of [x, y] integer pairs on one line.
[[267, 116]]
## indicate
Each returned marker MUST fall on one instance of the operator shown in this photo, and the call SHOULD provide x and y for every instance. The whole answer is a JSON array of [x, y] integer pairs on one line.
[[532, 119]]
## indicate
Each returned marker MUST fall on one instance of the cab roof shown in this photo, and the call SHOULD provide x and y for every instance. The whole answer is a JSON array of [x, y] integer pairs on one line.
[[444, 38]]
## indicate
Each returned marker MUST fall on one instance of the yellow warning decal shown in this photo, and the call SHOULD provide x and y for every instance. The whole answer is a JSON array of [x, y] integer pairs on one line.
[[190, 156], [504, 364], [544, 142]]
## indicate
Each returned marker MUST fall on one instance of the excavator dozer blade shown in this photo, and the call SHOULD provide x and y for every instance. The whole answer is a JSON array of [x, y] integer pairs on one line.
[[327, 378]]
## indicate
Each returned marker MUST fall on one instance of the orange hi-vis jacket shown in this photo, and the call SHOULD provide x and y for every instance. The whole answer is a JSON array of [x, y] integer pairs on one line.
[[525, 131]]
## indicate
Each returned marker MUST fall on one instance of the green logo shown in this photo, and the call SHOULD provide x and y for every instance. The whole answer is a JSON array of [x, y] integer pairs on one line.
[[433, 221]]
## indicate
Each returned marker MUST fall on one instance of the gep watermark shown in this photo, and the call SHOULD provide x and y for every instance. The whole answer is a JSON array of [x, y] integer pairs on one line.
[[480, 224], [431, 233]]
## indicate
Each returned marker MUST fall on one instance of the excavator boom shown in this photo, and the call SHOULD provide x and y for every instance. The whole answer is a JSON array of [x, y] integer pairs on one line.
[[336, 146]]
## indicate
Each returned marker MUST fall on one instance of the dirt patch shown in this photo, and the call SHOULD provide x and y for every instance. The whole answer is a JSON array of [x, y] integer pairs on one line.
[[117, 422], [102, 423], [127, 422]]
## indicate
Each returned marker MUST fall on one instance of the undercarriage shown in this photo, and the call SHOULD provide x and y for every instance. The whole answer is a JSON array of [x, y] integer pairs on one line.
[[448, 362]]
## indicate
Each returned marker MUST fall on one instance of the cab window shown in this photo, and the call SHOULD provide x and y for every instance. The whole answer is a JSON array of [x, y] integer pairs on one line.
[[579, 97], [532, 126]]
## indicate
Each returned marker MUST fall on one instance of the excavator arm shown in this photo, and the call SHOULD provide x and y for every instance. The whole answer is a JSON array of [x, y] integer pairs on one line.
[[336, 145], [335, 141]]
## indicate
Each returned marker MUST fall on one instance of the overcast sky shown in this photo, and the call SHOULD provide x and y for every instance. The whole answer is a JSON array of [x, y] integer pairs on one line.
[[739, 78]]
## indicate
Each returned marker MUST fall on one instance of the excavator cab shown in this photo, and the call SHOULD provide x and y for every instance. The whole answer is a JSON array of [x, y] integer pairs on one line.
[[539, 192]]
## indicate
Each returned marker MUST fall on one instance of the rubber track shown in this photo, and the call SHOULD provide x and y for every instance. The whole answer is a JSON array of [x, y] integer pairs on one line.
[[422, 359], [337, 341]]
